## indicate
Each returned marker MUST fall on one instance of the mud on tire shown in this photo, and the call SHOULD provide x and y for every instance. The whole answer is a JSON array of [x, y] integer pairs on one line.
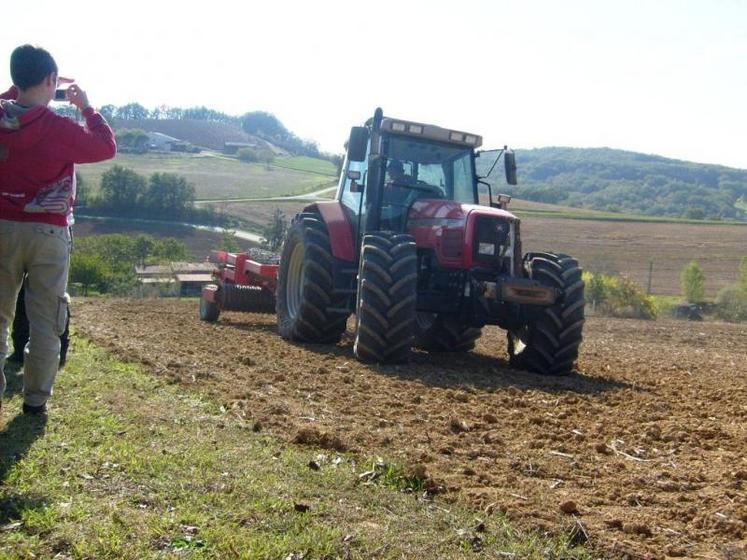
[[549, 343], [387, 297], [447, 334], [306, 284]]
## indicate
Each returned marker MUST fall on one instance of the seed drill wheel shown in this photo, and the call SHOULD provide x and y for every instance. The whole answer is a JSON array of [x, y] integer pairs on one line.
[[448, 334], [308, 308], [387, 295], [549, 343], [210, 310]]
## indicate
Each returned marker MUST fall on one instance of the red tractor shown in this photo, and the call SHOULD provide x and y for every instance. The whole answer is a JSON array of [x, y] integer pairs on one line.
[[407, 247]]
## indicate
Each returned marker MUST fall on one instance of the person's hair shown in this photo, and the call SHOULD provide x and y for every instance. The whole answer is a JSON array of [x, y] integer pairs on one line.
[[29, 65]]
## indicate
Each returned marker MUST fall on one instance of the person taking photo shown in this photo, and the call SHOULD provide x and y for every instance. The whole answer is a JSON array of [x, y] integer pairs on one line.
[[38, 153]]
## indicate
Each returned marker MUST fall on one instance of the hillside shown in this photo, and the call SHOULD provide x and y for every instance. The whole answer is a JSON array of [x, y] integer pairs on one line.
[[621, 181], [203, 133]]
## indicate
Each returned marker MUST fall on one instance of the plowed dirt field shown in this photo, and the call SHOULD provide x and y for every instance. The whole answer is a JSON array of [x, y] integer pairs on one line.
[[646, 446]]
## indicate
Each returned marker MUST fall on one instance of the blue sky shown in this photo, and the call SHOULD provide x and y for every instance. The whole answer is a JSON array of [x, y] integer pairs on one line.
[[662, 77]]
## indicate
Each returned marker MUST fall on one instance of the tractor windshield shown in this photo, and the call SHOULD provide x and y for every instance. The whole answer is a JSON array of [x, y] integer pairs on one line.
[[434, 169]]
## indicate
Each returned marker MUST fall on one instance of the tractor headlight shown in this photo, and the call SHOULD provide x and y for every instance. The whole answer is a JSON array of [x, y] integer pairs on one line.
[[492, 238]]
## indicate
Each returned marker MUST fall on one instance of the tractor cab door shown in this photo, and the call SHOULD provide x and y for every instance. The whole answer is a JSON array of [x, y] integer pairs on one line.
[[351, 191]]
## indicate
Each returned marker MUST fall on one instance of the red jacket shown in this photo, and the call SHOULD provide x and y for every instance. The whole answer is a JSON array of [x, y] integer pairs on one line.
[[38, 153]]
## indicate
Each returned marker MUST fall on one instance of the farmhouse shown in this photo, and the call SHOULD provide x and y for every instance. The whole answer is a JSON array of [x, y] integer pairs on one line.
[[177, 278]]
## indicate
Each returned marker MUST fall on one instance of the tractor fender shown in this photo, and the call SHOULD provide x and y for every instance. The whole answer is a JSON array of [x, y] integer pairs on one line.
[[338, 226]]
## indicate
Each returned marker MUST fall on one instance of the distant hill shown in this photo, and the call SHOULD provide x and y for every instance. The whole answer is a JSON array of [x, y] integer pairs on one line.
[[621, 181], [203, 133]]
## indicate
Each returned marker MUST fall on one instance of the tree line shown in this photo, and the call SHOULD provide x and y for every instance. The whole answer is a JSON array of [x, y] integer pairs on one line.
[[620, 181], [162, 196]]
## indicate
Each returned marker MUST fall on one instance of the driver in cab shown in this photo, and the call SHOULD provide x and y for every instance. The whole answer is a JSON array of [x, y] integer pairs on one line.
[[398, 194]]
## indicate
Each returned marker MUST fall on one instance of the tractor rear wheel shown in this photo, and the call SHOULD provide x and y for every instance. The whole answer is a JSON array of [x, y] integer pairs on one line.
[[447, 334], [548, 344], [307, 307], [387, 298]]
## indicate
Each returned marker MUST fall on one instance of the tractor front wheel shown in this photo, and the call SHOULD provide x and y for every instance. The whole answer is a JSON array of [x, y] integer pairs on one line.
[[387, 298], [549, 342]]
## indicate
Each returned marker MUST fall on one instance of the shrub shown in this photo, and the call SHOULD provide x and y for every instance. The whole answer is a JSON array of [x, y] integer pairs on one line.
[[731, 304], [693, 283], [618, 296]]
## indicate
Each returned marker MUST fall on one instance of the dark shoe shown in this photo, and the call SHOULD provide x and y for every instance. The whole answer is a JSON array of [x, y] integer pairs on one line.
[[40, 410]]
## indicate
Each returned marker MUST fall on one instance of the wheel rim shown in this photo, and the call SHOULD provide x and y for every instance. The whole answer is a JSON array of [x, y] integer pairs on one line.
[[294, 285]]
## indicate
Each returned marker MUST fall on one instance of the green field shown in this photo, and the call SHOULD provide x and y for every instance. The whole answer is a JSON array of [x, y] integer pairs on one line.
[[215, 176]]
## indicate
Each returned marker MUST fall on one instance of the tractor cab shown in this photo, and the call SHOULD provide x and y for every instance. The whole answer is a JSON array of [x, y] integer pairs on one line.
[[392, 163]]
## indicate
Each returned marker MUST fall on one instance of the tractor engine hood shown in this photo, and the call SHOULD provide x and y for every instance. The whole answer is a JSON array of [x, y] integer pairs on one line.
[[448, 228]]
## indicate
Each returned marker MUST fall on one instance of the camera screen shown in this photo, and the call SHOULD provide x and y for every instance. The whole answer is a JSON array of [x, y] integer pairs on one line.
[[60, 95]]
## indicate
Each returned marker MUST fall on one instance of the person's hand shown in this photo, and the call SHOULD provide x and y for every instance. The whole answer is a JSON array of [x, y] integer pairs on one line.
[[63, 80], [77, 97]]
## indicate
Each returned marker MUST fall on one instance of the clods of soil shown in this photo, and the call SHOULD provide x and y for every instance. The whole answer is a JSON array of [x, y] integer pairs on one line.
[[645, 446]]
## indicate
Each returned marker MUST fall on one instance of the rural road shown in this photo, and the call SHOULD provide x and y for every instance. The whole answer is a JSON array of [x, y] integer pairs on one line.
[[241, 234], [316, 195]]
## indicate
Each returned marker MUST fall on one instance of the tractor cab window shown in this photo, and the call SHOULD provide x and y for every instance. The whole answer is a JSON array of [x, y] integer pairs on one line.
[[350, 198], [429, 170]]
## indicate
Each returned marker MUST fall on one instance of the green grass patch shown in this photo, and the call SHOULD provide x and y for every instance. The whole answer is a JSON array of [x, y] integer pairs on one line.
[[215, 176], [307, 164], [128, 466]]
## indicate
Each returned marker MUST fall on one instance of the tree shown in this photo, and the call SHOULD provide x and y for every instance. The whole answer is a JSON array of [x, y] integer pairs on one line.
[[169, 195], [108, 112], [88, 270], [742, 277], [170, 249], [82, 192], [122, 188], [143, 248], [229, 242], [693, 283], [132, 112], [135, 140], [274, 232]]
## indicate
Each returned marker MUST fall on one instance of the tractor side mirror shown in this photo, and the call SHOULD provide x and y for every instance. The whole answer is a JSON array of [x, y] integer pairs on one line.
[[354, 177], [358, 143], [510, 160]]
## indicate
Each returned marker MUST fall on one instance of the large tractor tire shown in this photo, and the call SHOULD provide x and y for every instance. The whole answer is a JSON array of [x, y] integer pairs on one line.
[[308, 309], [446, 334], [549, 343], [387, 298]]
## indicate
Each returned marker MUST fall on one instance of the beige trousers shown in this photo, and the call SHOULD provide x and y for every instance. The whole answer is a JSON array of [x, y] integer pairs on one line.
[[44, 252]]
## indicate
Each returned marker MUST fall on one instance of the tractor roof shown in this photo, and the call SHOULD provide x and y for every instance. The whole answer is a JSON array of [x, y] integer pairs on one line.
[[430, 132]]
